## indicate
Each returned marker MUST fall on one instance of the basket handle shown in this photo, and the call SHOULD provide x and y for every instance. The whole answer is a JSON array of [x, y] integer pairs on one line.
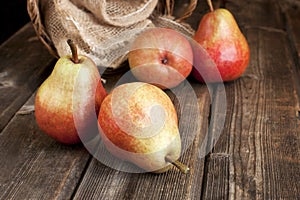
[[169, 8], [35, 17], [189, 11]]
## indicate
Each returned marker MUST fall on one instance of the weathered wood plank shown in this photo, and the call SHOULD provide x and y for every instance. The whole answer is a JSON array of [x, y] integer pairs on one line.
[[293, 23], [261, 132], [291, 11], [256, 13], [33, 165], [25, 63], [104, 183], [217, 169]]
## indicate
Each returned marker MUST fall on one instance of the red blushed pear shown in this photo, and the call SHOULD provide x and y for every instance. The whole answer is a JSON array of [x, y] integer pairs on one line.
[[68, 101], [138, 123], [219, 34], [161, 56]]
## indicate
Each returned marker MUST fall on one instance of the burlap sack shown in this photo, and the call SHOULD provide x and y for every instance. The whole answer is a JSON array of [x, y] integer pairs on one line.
[[102, 29], [118, 13]]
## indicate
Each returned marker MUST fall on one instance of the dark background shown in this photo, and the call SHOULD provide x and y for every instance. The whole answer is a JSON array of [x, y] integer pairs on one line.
[[13, 15]]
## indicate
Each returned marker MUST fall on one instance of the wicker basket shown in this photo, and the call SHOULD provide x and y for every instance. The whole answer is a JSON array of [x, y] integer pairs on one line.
[[161, 15]]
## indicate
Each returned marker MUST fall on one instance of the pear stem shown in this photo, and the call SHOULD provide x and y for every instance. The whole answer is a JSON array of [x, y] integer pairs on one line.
[[211, 7], [74, 51], [182, 167]]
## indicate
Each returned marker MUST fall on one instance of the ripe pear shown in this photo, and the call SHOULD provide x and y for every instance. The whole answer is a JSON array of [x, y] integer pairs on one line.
[[219, 34], [162, 57], [68, 101], [138, 123]]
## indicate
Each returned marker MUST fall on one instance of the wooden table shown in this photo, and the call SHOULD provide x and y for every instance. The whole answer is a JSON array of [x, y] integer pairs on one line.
[[256, 157]]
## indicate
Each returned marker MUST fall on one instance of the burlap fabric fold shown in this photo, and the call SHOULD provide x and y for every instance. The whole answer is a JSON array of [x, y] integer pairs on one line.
[[118, 13], [102, 29]]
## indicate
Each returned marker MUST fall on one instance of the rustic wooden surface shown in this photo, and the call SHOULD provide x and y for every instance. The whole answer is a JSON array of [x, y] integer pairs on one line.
[[256, 156], [25, 64]]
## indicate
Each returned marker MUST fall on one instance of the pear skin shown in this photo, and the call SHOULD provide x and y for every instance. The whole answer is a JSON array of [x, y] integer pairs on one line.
[[218, 33], [138, 123], [68, 101], [161, 56]]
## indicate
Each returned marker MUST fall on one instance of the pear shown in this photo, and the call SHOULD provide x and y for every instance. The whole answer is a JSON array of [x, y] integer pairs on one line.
[[219, 34], [161, 56], [138, 123], [68, 101]]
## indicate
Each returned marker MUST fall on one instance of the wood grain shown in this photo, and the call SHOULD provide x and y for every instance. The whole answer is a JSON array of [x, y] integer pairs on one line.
[[261, 132], [291, 10], [25, 63], [217, 174], [256, 13], [33, 165], [293, 24]]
